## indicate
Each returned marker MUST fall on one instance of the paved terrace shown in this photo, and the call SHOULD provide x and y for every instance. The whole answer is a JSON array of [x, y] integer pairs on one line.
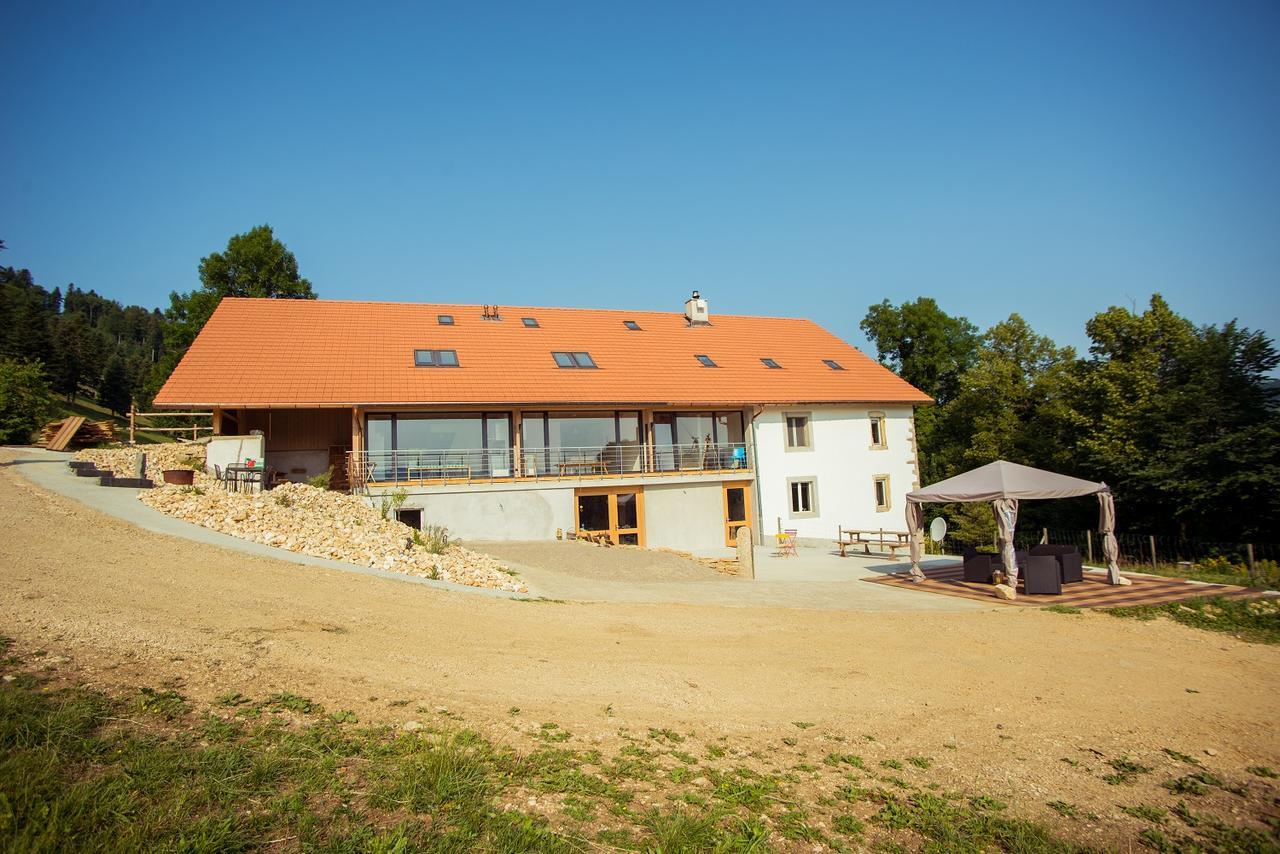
[[815, 579]]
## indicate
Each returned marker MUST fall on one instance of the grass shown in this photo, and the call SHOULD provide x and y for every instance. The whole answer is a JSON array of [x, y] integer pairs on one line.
[[153, 770], [1254, 620], [1061, 609], [91, 411]]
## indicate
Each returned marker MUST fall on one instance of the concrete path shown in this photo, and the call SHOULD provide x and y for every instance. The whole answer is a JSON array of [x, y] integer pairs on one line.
[[48, 470], [814, 580]]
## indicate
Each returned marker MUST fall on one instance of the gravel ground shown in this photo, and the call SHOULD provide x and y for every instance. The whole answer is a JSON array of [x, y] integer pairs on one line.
[[998, 698], [598, 563]]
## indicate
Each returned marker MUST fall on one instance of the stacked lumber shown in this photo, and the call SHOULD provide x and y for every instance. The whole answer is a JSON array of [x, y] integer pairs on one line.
[[86, 433]]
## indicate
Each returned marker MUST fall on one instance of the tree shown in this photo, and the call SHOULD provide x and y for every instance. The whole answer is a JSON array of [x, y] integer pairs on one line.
[[74, 356], [24, 400], [1181, 421], [115, 391], [922, 344]]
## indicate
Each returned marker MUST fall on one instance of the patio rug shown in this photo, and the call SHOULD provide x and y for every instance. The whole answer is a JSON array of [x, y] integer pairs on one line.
[[1093, 592]]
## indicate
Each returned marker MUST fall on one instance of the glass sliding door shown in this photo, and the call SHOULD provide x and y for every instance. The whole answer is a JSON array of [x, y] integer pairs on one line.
[[565, 444], [698, 441]]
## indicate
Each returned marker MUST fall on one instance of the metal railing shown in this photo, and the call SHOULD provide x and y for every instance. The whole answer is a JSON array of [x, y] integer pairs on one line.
[[472, 465]]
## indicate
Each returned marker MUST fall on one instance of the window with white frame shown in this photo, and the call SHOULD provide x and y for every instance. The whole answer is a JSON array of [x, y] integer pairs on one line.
[[879, 439], [799, 436], [802, 496], [881, 486]]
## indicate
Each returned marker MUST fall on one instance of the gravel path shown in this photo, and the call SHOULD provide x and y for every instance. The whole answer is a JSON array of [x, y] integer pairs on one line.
[[997, 696]]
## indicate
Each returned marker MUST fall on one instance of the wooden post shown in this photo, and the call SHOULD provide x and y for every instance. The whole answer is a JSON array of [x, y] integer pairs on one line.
[[1153, 554], [1248, 552], [133, 433], [1088, 544]]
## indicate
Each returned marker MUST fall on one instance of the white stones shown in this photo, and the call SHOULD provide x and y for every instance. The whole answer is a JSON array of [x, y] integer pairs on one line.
[[1004, 591], [303, 519]]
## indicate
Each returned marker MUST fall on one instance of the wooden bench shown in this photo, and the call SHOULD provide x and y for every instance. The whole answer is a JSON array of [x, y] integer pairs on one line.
[[889, 541]]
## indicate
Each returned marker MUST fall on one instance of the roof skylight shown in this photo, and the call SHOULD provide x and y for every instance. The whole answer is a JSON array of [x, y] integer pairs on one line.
[[574, 360], [444, 319], [632, 325], [706, 361], [770, 363], [832, 364], [435, 358], [531, 322]]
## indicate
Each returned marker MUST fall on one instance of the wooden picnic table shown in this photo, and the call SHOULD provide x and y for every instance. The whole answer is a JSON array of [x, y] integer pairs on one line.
[[889, 541]]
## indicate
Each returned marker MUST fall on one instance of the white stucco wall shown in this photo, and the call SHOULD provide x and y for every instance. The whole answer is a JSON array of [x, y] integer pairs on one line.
[[222, 451], [688, 516], [843, 464], [525, 514]]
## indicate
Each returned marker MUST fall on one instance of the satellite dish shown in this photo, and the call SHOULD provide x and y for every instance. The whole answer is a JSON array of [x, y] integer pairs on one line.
[[937, 529]]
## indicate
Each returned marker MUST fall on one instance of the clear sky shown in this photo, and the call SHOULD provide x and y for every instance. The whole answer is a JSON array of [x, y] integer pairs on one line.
[[795, 158]]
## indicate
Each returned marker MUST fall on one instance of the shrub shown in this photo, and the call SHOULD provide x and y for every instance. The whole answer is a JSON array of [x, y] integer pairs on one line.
[[322, 481], [433, 538], [24, 400]]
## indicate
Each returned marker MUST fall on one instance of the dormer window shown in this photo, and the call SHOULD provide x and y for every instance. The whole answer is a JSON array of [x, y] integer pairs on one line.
[[435, 358]]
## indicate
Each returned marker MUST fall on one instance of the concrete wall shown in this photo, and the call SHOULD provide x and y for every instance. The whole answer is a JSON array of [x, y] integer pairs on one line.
[[288, 463], [842, 462], [225, 450], [524, 514], [687, 516]]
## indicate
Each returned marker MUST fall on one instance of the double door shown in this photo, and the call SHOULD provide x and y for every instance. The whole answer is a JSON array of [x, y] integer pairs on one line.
[[616, 511]]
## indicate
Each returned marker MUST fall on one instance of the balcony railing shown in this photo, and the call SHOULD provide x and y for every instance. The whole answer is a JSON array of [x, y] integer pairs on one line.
[[483, 465]]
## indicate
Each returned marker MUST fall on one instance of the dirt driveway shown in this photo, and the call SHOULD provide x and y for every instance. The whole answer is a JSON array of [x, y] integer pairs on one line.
[[1009, 692]]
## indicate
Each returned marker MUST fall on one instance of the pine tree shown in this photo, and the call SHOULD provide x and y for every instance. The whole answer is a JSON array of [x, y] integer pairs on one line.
[[114, 392]]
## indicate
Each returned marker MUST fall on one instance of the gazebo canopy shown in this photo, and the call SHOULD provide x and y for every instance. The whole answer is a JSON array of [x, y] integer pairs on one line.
[[1006, 480], [1004, 484]]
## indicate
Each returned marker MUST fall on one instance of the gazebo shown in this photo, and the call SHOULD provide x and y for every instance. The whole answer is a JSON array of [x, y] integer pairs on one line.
[[1004, 484]]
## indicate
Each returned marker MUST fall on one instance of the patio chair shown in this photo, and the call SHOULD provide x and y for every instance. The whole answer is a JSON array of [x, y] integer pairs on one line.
[[1070, 564], [1041, 576], [787, 543]]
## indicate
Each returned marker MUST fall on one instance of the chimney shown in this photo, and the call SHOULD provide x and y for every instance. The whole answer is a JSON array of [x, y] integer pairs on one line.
[[695, 310]]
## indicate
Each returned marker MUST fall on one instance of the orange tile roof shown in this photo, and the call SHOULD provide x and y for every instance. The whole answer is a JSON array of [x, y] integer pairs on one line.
[[293, 353]]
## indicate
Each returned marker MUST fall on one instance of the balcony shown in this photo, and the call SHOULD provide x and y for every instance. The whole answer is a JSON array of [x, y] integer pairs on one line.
[[486, 465]]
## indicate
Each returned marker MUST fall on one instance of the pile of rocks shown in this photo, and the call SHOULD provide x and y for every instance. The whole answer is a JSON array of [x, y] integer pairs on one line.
[[120, 460], [302, 519]]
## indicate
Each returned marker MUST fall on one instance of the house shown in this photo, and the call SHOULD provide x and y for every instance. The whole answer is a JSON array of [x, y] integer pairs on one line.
[[660, 428]]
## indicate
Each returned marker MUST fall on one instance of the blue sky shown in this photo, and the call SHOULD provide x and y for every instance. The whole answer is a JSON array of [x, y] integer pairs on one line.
[[803, 158]]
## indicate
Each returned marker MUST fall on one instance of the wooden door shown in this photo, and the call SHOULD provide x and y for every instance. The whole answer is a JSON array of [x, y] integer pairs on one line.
[[737, 509], [616, 511]]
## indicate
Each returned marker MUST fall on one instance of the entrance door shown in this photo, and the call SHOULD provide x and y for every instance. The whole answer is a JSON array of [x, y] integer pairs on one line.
[[616, 511], [737, 509]]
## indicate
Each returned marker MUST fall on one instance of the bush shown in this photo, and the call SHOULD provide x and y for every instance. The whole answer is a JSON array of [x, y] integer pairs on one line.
[[25, 400], [322, 481], [433, 538]]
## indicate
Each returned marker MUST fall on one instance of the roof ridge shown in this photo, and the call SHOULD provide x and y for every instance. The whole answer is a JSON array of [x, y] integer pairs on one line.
[[480, 306]]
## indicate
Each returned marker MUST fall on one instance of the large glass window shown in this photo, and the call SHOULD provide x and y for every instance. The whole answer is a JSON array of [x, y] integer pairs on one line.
[[427, 446], [698, 441], [566, 443]]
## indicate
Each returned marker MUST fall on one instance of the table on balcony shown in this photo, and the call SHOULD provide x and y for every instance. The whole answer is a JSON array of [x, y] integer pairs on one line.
[[582, 467]]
